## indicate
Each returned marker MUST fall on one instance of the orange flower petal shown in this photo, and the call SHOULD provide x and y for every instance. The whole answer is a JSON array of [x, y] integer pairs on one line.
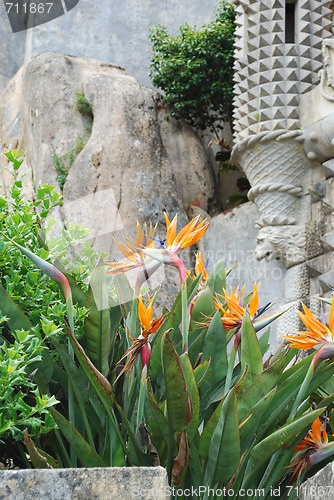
[[312, 324], [171, 230], [331, 318], [254, 303], [199, 267], [301, 341]]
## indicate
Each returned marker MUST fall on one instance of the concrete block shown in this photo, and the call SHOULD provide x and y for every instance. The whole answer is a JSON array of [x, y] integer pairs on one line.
[[320, 486], [116, 483]]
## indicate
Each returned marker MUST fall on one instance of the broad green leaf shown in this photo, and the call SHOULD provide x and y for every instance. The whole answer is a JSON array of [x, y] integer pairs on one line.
[[16, 318], [178, 401], [265, 320], [105, 394], [78, 295], [98, 381], [203, 308], [194, 395], [260, 388], [87, 456], [250, 350], [97, 323], [331, 421], [172, 321], [39, 458], [196, 345], [201, 371], [195, 471], [215, 347], [248, 427], [224, 450], [205, 438], [79, 385], [268, 446], [115, 319], [217, 278], [288, 389], [160, 421], [264, 342]]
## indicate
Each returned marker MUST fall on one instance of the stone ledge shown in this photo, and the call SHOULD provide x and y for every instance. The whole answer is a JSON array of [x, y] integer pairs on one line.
[[124, 483], [319, 486]]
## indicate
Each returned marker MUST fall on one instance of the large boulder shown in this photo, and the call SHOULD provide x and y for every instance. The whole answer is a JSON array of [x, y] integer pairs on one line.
[[132, 162]]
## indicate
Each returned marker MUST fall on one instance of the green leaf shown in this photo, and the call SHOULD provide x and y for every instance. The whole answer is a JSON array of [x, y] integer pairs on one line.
[[97, 326], [201, 371], [204, 306], [194, 395], [215, 347], [16, 318], [78, 383], [250, 350], [248, 427], [160, 421], [260, 387], [178, 401], [224, 451], [264, 342], [171, 322], [98, 381], [40, 459], [85, 453], [268, 446], [217, 278], [104, 392], [205, 438]]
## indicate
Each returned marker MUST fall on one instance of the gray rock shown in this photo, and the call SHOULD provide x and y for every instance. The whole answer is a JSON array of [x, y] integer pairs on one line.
[[113, 32], [319, 486], [123, 483], [133, 165]]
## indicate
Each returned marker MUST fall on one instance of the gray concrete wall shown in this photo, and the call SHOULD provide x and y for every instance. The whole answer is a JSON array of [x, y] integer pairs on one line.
[[109, 30]]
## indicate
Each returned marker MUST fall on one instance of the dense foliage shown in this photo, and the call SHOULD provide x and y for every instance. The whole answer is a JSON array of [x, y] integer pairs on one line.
[[195, 69], [99, 381]]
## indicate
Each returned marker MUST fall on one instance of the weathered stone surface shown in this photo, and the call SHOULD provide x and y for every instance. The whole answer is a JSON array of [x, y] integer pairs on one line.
[[135, 161], [102, 30], [320, 486], [123, 483]]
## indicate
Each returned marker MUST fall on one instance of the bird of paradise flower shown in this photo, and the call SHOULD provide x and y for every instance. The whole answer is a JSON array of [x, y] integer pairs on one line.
[[314, 448], [317, 336], [141, 346]]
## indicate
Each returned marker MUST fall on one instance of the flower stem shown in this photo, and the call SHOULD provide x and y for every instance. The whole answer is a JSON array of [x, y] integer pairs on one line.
[[184, 317], [142, 395], [70, 314]]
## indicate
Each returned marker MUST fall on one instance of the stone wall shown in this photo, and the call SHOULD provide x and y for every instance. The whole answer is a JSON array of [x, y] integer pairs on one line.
[[117, 483]]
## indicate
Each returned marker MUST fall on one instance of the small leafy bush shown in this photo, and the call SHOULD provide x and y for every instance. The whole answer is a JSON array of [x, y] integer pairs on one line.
[[83, 106], [194, 69]]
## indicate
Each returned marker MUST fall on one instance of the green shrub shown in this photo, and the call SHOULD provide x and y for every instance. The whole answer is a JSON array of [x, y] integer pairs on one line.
[[194, 69], [83, 106]]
